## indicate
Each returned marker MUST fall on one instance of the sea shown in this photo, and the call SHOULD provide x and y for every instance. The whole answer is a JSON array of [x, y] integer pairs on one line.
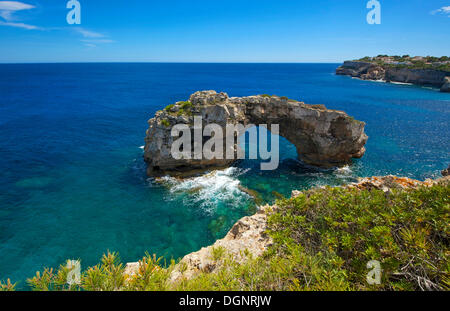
[[72, 176]]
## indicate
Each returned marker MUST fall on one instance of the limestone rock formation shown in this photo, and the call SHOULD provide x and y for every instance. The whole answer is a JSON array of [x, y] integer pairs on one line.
[[362, 70], [446, 86], [371, 71], [323, 137]]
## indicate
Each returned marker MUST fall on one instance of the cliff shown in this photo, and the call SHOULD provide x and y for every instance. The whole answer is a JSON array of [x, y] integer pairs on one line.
[[389, 73], [323, 137], [249, 238]]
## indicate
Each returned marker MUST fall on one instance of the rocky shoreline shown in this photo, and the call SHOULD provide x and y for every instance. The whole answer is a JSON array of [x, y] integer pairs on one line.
[[377, 72], [248, 235]]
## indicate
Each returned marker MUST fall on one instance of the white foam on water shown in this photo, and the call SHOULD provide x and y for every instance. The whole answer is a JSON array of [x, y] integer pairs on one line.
[[210, 189], [401, 83], [344, 170]]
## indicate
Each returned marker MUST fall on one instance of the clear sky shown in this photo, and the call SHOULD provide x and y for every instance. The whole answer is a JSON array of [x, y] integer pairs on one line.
[[220, 31]]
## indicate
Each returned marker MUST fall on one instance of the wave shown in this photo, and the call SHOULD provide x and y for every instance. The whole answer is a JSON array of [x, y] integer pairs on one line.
[[401, 83], [209, 190], [345, 170]]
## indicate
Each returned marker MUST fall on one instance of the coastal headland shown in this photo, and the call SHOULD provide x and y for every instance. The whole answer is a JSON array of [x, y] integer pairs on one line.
[[423, 71]]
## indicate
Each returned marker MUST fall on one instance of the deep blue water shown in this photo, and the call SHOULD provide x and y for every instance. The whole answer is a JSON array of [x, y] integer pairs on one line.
[[73, 184]]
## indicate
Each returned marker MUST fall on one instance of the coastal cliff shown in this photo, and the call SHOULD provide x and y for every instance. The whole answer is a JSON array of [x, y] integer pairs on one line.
[[323, 137], [250, 237], [403, 72]]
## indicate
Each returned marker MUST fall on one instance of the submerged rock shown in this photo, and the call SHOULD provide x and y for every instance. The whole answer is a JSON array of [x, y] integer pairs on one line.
[[323, 137]]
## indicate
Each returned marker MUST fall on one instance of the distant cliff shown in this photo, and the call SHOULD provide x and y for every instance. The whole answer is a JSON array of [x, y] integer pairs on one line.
[[404, 72]]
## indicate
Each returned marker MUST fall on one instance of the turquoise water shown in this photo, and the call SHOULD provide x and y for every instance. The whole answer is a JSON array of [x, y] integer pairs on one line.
[[73, 182]]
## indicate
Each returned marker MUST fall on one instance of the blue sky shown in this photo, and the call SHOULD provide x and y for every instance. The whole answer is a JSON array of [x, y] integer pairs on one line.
[[220, 31]]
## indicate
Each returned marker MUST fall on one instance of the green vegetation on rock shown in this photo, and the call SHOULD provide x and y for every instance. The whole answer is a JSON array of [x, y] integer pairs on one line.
[[165, 122], [344, 229], [169, 107], [185, 108], [406, 61]]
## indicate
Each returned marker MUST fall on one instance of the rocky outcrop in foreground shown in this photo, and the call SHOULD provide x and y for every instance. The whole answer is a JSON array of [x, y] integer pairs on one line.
[[323, 137], [248, 235], [371, 71], [446, 172]]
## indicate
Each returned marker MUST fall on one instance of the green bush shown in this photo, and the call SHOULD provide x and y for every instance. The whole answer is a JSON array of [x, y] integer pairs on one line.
[[322, 240], [407, 231], [7, 287], [185, 109], [405, 61], [165, 122], [168, 107]]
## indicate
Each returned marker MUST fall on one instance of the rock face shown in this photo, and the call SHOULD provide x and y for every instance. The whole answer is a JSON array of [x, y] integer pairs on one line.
[[246, 237], [446, 172], [446, 86], [322, 137], [362, 70], [370, 71]]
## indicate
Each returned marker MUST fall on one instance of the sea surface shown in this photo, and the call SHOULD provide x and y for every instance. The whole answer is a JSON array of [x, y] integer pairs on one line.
[[72, 176]]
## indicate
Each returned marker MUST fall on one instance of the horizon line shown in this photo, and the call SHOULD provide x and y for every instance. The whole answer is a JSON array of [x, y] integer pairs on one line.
[[157, 62]]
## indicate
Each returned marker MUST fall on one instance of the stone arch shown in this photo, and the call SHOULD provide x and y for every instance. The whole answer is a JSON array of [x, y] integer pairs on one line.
[[323, 137]]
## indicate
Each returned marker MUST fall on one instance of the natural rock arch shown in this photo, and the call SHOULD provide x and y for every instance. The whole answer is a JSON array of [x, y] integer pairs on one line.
[[323, 137]]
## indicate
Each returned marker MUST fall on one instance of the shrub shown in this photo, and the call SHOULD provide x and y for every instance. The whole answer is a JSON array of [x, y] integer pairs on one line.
[[185, 109], [165, 122], [406, 231], [168, 107], [322, 240], [218, 253], [7, 287]]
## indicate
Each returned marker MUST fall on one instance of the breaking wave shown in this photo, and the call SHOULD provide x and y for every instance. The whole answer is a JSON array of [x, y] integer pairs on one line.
[[210, 190]]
